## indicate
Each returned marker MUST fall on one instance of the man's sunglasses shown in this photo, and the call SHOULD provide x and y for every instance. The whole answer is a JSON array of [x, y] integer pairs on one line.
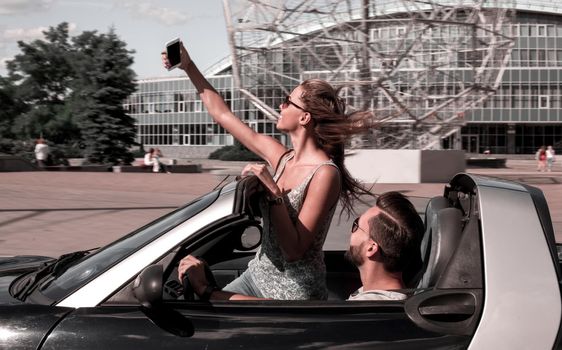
[[288, 102], [355, 225]]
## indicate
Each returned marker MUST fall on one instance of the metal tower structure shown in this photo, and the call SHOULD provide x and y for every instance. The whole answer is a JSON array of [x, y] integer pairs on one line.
[[419, 65]]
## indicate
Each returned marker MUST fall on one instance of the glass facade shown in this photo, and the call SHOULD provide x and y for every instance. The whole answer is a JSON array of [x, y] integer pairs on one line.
[[524, 113], [169, 112]]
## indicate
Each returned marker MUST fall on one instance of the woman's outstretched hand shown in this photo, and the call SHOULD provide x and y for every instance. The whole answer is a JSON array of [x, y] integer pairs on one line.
[[185, 59]]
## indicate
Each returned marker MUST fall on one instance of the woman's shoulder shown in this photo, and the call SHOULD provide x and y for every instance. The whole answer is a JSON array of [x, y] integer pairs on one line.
[[326, 172], [327, 166], [284, 157]]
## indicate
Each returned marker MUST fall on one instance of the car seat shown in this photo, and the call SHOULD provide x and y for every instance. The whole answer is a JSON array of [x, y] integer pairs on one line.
[[445, 230], [415, 272]]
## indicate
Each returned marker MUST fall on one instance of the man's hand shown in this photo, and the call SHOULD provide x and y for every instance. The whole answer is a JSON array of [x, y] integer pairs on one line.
[[195, 270]]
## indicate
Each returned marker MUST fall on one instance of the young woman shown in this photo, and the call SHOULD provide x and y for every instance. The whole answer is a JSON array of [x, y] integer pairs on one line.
[[303, 191], [541, 157]]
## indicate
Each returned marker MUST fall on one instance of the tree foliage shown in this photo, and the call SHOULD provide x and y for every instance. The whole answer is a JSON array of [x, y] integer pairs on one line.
[[12, 106], [70, 91], [103, 81], [235, 152]]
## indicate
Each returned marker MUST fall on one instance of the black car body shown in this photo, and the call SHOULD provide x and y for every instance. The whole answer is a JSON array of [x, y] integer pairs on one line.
[[127, 296]]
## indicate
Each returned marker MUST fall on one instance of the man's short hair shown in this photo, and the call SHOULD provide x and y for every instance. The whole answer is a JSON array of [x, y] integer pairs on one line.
[[398, 230]]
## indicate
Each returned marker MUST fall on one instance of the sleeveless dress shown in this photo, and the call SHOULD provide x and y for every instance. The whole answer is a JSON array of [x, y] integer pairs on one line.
[[276, 278]]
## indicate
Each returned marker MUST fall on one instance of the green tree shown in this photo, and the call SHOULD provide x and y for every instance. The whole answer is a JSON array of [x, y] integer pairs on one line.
[[103, 80], [235, 152], [12, 106], [71, 90], [42, 74]]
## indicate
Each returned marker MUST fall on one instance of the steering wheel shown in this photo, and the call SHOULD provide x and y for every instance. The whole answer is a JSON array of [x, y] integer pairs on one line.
[[188, 292]]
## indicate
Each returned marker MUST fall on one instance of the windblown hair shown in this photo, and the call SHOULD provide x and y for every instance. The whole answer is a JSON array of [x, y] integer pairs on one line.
[[398, 229], [332, 128]]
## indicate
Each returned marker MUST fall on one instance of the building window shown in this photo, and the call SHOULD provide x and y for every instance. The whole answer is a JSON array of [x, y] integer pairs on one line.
[[175, 136], [544, 101]]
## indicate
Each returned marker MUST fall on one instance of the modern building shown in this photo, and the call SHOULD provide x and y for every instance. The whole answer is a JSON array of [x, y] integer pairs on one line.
[[523, 112]]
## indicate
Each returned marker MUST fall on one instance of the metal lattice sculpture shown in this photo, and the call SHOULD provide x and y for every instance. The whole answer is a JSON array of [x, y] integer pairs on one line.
[[419, 65]]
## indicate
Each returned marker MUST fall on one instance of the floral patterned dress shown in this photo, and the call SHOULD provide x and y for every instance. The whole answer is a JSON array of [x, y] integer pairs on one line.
[[277, 278]]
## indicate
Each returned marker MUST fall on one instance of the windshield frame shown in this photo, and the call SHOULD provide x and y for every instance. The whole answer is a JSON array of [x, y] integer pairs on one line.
[[78, 274]]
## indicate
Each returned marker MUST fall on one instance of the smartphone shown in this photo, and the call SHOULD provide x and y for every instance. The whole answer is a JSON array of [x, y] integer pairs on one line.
[[173, 52]]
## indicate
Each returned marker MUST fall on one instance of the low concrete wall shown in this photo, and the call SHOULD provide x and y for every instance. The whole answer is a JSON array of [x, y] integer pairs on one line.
[[186, 168], [404, 166], [488, 162], [12, 163], [185, 151], [441, 165]]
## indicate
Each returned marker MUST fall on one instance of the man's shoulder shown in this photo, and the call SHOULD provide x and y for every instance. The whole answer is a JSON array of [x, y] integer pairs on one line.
[[377, 294]]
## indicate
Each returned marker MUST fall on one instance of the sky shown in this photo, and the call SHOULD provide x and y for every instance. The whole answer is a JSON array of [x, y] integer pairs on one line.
[[145, 25]]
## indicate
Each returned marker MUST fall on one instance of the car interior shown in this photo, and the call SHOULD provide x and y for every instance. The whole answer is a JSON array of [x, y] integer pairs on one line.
[[445, 219], [230, 244]]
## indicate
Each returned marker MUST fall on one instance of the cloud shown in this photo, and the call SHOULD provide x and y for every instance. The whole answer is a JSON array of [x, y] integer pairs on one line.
[[149, 10], [8, 40], [3, 61], [28, 34], [83, 3], [11, 7], [10, 37], [16, 34]]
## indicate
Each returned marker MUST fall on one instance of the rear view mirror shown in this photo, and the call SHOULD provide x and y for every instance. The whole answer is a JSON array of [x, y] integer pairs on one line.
[[147, 287], [250, 238]]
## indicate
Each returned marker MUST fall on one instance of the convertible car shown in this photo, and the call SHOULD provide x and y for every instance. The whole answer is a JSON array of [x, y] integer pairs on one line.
[[490, 280]]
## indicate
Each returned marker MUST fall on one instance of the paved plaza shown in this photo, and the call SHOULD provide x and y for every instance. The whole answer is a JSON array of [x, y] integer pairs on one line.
[[51, 213]]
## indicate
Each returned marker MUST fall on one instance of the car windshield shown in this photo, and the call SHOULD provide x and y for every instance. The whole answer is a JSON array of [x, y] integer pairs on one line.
[[57, 287]]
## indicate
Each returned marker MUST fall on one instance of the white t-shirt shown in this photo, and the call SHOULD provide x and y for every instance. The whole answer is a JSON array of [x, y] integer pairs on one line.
[[376, 294], [41, 151], [148, 160]]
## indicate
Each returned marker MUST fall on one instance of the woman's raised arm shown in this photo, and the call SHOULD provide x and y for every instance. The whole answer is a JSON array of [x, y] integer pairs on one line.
[[264, 146]]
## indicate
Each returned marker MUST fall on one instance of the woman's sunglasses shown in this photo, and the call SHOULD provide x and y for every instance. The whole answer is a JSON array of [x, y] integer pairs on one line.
[[288, 102]]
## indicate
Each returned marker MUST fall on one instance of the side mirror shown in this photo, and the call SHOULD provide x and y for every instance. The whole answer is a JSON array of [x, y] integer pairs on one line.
[[250, 238], [147, 287]]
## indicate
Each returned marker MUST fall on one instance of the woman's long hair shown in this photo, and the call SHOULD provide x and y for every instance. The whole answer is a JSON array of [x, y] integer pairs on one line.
[[332, 128]]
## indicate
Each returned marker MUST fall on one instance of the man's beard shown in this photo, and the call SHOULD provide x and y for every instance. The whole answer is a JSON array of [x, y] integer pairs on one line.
[[353, 256]]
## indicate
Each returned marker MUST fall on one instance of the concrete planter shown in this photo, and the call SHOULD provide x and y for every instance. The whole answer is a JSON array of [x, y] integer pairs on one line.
[[404, 166]]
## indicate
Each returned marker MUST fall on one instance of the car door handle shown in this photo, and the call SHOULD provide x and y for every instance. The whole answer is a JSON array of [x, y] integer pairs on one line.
[[446, 311], [448, 307], [453, 312]]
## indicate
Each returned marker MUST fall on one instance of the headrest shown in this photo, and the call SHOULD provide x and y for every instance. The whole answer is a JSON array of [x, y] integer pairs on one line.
[[445, 232], [434, 205], [413, 273]]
